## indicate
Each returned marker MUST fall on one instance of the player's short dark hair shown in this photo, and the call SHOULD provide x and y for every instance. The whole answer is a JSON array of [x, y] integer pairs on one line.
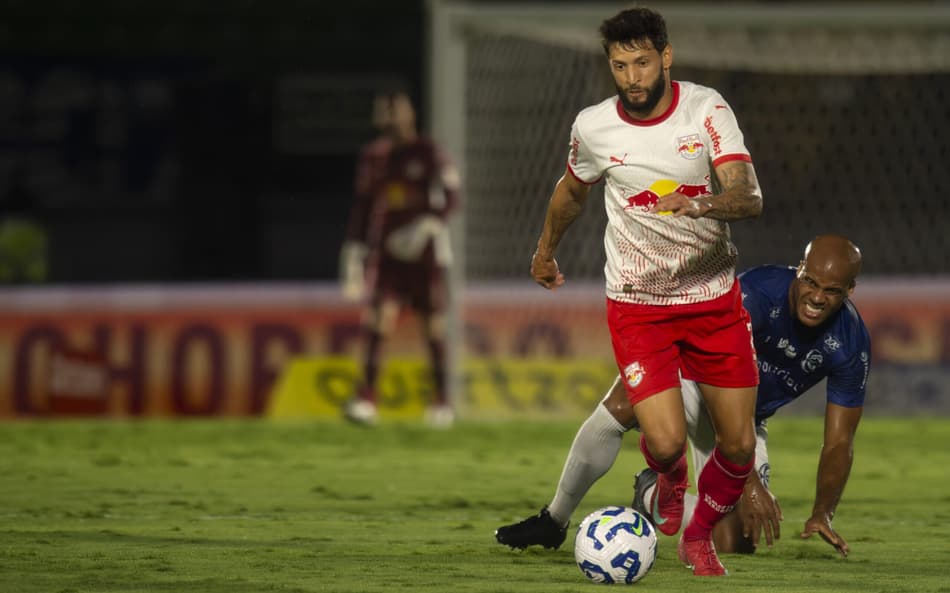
[[632, 25], [393, 88]]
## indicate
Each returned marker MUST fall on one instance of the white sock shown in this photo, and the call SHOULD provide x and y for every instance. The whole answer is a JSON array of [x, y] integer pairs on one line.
[[689, 503], [594, 450]]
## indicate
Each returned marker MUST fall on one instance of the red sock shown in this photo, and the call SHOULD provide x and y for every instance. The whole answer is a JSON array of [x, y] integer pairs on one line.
[[719, 488], [676, 471]]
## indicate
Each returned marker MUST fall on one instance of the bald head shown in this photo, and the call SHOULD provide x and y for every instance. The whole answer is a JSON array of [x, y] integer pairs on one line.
[[833, 256], [824, 279]]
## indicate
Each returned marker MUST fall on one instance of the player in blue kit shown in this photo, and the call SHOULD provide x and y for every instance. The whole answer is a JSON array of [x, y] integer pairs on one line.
[[805, 329]]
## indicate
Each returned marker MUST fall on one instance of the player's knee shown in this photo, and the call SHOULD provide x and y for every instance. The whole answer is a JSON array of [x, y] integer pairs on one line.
[[733, 542], [618, 405], [666, 449], [740, 451], [377, 325], [382, 317], [728, 538]]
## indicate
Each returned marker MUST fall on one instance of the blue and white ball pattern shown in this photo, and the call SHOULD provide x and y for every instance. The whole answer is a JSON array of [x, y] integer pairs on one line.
[[615, 545]]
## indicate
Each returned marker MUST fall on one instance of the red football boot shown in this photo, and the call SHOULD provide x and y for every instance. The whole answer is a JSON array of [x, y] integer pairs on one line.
[[700, 555]]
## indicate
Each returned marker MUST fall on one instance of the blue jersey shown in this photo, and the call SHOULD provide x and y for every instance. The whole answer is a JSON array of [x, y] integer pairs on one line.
[[792, 357]]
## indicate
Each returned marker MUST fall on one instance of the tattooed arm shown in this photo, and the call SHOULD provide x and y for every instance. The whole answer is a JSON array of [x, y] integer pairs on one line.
[[740, 197]]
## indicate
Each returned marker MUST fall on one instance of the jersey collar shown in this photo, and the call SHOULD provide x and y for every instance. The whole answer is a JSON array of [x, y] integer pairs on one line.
[[658, 119]]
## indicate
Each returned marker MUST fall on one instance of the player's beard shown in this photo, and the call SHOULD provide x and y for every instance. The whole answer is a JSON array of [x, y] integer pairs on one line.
[[654, 94]]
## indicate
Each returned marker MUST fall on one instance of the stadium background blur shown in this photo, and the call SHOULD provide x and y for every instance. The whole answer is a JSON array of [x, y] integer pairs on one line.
[[190, 167]]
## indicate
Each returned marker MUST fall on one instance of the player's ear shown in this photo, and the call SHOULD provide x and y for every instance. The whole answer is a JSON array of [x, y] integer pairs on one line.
[[667, 56]]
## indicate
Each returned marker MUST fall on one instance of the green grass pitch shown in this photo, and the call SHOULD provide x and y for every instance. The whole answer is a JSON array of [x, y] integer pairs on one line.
[[257, 506]]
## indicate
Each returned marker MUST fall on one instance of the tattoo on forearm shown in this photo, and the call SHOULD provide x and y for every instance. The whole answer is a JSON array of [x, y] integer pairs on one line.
[[564, 216], [563, 211], [740, 197]]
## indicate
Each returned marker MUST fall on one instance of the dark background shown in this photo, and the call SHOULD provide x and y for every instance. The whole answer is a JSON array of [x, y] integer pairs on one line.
[[216, 141], [192, 141]]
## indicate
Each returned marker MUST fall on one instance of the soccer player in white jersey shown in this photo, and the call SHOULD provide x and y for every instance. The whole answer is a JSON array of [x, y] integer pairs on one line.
[[676, 171]]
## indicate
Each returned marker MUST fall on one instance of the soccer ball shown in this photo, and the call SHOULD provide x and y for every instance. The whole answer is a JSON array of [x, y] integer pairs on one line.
[[615, 545]]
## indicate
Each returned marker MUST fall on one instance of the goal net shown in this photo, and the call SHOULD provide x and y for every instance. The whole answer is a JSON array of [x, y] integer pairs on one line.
[[844, 109]]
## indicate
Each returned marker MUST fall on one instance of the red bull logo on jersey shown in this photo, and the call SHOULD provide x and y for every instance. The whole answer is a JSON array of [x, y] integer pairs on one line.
[[647, 199], [634, 374], [690, 147]]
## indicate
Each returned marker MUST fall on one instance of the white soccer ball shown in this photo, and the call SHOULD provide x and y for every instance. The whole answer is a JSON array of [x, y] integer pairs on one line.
[[615, 545]]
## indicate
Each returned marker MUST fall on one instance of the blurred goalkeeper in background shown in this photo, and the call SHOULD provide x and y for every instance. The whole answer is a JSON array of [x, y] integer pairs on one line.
[[397, 246]]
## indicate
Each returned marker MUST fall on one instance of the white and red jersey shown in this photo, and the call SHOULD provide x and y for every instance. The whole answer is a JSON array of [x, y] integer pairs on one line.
[[655, 259]]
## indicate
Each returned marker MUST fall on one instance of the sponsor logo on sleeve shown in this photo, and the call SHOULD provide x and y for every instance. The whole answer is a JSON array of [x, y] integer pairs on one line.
[[713, 135]]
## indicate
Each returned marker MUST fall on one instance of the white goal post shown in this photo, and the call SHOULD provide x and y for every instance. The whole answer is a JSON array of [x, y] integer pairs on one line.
[[866, 38]]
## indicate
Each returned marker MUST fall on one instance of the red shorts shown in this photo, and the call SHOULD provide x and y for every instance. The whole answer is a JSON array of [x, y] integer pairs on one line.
[[708, 342]]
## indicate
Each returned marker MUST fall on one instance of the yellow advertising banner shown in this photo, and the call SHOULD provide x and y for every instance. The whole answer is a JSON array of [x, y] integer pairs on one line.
[[318, 387]]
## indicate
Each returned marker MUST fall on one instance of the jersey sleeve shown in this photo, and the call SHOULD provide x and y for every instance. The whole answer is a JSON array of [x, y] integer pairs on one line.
[[722, 132], [847, 382], [581, 161]]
